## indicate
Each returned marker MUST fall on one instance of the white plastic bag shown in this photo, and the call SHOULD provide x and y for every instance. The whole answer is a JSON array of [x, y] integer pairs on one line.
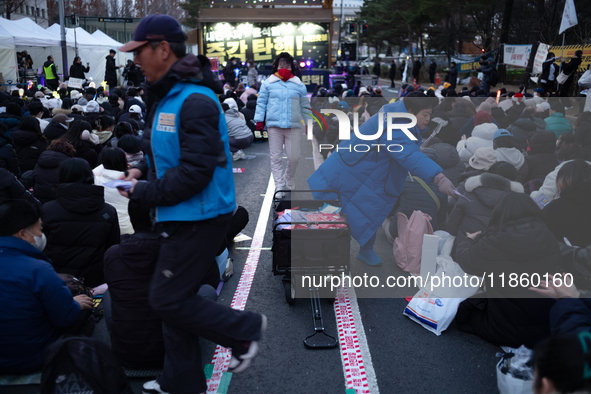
[[514, 376], [435, 307]]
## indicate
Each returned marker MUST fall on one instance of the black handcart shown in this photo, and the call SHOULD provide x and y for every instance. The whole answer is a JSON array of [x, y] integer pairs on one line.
[[310, 252]]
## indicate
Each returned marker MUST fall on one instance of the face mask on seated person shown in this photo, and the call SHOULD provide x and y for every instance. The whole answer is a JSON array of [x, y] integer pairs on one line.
[[40, 242]]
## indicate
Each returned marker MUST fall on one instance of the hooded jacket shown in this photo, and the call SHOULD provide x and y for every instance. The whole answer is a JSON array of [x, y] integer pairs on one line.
[[237, 127], [512, 156], [46, 175], [449, 160], [28, 146], [204, 151], [371, 182], [10, 121], [484, 192], [568, 216], [521, 129], [549, 188], [458, 117], [54, 131], [510, 316], [80, 227], [542, 157], [12, 189], [8, 158], [282, 104], [558, 124], [36, 303], [113, 197], [482, 137]]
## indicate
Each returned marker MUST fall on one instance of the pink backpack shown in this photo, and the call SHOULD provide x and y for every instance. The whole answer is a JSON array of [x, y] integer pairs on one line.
[[409, 243]]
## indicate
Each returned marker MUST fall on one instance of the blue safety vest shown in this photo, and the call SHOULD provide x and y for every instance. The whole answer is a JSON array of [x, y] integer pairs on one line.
[[219, 197]]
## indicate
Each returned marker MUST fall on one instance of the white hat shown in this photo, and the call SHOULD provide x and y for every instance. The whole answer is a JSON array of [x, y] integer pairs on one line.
[[542, 107], [92, 107], [135, 109], [74, 94], [54, 103]]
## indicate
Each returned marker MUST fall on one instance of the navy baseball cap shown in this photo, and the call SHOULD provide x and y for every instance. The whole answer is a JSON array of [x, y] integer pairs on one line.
[[155, 27]]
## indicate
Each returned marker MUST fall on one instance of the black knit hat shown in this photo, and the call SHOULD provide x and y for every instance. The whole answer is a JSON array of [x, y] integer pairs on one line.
[[16, 215]]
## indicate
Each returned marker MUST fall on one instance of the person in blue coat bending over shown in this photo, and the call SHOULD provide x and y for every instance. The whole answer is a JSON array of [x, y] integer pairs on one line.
[[370, 171]]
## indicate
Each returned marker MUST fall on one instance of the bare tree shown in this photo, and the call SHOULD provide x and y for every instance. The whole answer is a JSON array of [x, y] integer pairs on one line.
[[10, 6]]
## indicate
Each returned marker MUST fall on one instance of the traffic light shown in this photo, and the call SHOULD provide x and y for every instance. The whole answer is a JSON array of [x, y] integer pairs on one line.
[[74, 20], [352, 28], [364, 28]]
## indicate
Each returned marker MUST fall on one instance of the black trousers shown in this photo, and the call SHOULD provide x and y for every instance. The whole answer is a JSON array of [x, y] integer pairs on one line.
[[184, 260], [52, 84]]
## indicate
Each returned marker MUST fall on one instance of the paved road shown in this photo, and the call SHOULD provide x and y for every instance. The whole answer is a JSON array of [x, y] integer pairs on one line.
[[406, 358]]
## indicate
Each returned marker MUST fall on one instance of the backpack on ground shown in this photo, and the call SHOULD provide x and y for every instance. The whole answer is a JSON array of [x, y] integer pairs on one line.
[[409, 243], [82, 365]]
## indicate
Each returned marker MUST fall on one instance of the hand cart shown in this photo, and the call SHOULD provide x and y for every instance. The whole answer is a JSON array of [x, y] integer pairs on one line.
[[313, 252]]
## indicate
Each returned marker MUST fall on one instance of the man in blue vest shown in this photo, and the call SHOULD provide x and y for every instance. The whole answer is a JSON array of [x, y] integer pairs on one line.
[[188, 179]]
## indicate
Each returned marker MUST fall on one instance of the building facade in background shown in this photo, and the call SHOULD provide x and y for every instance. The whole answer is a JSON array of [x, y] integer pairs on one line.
[[36, 10]]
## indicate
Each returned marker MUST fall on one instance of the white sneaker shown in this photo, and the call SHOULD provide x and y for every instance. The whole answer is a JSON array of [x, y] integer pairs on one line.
[[240, 363], [229, 271], [152, 387], [238, 155]]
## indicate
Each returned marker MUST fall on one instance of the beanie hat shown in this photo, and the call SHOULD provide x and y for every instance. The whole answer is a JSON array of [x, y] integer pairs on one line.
[[502, 133], [74, 94], [504, 169], [483, 158], [92, 107], [482, 117], [16, 215], [486, 107]]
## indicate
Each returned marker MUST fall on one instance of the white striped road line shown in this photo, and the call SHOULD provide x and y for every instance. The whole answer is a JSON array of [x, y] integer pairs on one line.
[[357, 364], [222, 355]]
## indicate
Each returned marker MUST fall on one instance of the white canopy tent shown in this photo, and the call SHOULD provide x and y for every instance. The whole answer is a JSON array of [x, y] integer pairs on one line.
[[121, 57], [90, 50], [22, 34]]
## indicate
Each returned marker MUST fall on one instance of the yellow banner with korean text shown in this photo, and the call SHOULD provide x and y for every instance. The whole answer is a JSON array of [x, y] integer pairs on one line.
[[569, 51]]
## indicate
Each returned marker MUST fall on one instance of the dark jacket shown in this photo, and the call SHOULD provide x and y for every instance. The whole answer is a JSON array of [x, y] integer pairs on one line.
[[570, 316], [469, 172], [542, 158], [484, 192], [12, 189], [448, 159], [229, 75], [568, 216], [88, 151], [377, 69], [583, 136], [28, 146], [392, 72], [8, 158], [458, 117], [570, 69], [453, 77], [111, 70], [248, 112], [499, 117], [520, 130], [416, 69], [78, 70], [80, 227], [546, 66], [10, 121], [200, 152], [36, 302], [432, 69], [54, 131], [511, 316], [136, 331], [46, 175], [487, 72]]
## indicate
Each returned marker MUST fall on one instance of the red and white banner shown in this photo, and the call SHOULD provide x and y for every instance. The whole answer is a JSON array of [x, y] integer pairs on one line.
[[541, 55], [516, 55]]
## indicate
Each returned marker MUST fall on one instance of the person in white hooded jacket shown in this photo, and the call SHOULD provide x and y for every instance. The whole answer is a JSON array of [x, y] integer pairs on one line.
[[239, 134], [482, 137], [113, 167], [506, 149]]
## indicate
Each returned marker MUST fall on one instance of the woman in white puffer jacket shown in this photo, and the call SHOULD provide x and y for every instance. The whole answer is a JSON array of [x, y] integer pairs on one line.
[[113, 167], [482, 137]]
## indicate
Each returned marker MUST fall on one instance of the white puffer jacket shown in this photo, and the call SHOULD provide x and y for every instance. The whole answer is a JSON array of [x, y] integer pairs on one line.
[[482, 137]]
